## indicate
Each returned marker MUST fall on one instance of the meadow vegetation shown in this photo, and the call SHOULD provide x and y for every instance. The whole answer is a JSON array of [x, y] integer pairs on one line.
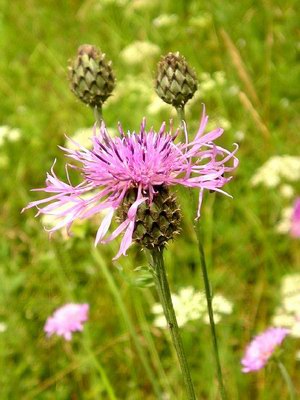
[[244, 54]]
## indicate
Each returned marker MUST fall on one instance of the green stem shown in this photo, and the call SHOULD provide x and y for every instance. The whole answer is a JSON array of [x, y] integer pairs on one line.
[[286, 377], [208, 293], [181, 114], [209, 297], [163, 289], [98, 114]]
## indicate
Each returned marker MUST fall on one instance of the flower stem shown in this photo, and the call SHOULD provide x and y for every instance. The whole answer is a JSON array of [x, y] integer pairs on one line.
[[286, 377], [209, 297], [181, 113], [208, 293], [163, 289], [98, 114]]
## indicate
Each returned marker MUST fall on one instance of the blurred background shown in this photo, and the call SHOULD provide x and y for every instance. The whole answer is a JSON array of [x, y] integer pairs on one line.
[[244, 54]]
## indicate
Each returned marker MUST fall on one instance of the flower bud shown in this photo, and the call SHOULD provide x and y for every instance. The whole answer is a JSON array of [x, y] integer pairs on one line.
[[175, 82], [91, 76]]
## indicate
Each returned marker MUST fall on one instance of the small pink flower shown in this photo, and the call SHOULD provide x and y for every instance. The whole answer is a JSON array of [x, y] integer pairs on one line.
[[67, 319], [146, 161], [295, 223], [261, 348]]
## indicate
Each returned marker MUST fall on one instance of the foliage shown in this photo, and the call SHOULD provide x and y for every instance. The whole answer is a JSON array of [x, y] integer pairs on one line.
[[245, 56]]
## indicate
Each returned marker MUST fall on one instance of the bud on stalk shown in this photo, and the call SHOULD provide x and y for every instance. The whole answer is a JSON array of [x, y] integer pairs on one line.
[[175, 82], [91, 76]]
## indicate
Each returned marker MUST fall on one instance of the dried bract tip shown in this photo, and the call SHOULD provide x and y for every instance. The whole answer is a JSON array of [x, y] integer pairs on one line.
[[175, 82], [91, 76]]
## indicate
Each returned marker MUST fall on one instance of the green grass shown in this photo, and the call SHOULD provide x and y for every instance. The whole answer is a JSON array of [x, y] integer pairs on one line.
[[120, 351]]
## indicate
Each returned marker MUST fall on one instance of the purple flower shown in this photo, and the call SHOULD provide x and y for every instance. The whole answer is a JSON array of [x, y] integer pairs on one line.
[[67, 319], [261, 348], [145, 161], [295, 223]]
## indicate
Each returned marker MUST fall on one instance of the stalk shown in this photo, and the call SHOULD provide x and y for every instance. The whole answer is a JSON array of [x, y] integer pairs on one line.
[[209, 297], [286, 377], [208, 293], [98, 114], [163, 290]]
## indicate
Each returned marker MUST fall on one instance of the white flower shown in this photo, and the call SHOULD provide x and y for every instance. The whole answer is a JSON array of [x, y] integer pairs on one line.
[[286, 191], [157, 105], [285, 222], [277, 169], [132, 86], [165, 20], [220, 77], [239, 136], [219, 122], [288, 313], [290, 284], [3, 327], [190, 305], [138, 52], [82, 137], [208, 85], [220, 306], [9, 134]]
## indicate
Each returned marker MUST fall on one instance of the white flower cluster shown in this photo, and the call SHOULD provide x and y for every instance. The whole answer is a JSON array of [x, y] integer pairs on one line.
[[190, 305], [132, 86], [138, 52], [210, 84], [207, 84], [288, 313], [9, 134], [276, 170], [285, 223], [165, 20]]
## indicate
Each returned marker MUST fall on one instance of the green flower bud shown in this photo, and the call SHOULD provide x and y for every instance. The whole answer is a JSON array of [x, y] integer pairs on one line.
[[175, 82], [91, 76]]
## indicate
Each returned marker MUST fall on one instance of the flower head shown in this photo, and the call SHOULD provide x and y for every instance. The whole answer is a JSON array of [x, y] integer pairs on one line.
[[295, 223], [261, 348], [66, 320], [145, 164]]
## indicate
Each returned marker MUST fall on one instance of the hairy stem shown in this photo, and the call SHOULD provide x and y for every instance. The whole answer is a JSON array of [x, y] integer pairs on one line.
[[163, 289]]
